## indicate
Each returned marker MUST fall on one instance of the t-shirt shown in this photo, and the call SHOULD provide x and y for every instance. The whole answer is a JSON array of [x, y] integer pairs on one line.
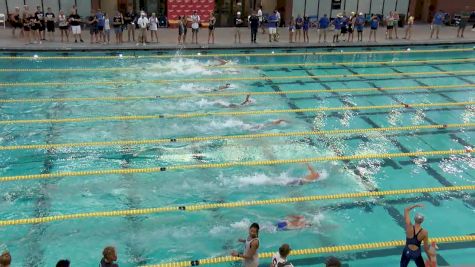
[[324, 22], [254, 22], [129, 17], [49, 16], [238, 22], [142, 22], [107, 25], [374, 23], [39, 16], [259, 14], [360, 23], [117, 21], [93, 20], [100, 19], [438, 18], [272, 21], [337, 22], [278, 261], [75, 20]]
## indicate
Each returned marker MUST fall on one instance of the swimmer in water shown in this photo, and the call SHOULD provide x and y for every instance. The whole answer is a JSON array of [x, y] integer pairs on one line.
[[309, 178], [269, 124], [246, 102], [292, 222], [221, 62], [222, 87]]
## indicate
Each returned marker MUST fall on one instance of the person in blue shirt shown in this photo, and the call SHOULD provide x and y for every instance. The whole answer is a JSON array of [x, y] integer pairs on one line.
[[337, 22], [344, 27], [100, 25], [298, 28], [437, 23], [322, 28], [306, 26], [272, 26], [359, 25], [374, 23]]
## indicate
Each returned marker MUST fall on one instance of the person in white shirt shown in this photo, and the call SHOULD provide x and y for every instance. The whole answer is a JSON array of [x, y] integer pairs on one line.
[[153, 27], [107, 28], [279, 20], [195, 26], [143, 23], [261, 19], [280, 258]]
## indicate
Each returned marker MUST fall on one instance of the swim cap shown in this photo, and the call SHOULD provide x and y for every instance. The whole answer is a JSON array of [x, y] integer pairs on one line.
[[361, 13], [281, 225], [419, 218]]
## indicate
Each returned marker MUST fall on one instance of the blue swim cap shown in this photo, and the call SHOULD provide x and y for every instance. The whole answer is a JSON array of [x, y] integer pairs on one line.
[[282, 225]]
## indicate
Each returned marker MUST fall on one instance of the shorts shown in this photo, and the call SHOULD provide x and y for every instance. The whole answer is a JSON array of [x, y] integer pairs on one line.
[[344, 30], [211, 27], [17, 25], [100, 28], [41, 27], [350, 29], [118, 29], [359, 29], [76, 29], [93, 30], [195, 30], [34, 27], [107, 32], [63, 27], [272, 30], [298, 27], [436, 27], [50, 26], [26, 28], [389, 27], [373, 28]]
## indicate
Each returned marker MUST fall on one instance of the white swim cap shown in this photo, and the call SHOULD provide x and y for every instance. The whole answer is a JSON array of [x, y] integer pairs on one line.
[[419, 218]]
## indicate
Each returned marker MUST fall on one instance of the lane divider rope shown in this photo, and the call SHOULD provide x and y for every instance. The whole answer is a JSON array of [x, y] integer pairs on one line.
[[232, 164], [228, 205], [230, 137], [269, 54], [221, 94], [229, 79], [314, 251], [229, 113], [244, 66]]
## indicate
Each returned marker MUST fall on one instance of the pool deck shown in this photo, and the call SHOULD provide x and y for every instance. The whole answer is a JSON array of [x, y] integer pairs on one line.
[[225, 39]]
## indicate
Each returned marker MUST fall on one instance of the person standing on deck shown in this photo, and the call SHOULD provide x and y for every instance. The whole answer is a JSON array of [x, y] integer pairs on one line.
[[250, 255], [415, 235]]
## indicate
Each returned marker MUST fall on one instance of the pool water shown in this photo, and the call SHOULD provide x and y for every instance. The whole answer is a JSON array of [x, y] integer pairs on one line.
[[185, 236]]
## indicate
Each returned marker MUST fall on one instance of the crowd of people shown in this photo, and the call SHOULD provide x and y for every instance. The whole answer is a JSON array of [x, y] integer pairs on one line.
[[34, 25]]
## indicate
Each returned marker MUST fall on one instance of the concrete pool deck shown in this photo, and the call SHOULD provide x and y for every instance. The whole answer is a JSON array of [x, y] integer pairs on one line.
[[225, 39]]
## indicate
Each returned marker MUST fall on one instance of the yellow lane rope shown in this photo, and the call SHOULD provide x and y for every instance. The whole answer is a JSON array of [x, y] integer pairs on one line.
[[224, 94], [243, 66], [268, 54], [229, 79], [313, 251], [229, 137], [228, 205], [232, 164], [230, 113]]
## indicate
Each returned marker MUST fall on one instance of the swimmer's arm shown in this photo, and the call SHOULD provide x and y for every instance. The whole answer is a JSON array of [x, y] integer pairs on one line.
[[406, 214], [246, 100]]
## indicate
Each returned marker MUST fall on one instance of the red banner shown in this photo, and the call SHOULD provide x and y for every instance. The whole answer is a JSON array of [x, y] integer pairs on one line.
[[185, 8]]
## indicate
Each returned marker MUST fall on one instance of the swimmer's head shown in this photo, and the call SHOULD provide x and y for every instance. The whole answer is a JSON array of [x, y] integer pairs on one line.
[[434, 245], [332, 262], [109, 254], [63, 263], [5, 259], [254, 230], [419, 218], [284, 250]]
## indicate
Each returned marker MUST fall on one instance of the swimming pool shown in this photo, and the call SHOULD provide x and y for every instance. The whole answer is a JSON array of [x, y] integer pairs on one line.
[[56, 102]]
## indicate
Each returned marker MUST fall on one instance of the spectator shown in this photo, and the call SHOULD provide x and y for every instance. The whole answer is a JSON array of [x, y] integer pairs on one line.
[[212, 22], [195, 27], [322, 28], [351, 26], [109, 257], [359, 24], [129, 23], [291, 29], [389, 25], [409, 28], [254, 24], [272, 25], [16, 22], [50, 18], [344, 26], [75, 21], [432, 261], [436, 24], [153, 20], [107, 28], [337, 23], [374, 23], [40, 23], [26, 18], [279, 21], [332, 262], [142, 22], [415, 235], [280, 259], [462, 24], [238, 23], [63, 26], [100, 26], [63, 263], [305, 27], [250, 255], [5, 259], [298, 28], [261, 19], [92, 21], [395, 23], [181, 30], [117, 23]]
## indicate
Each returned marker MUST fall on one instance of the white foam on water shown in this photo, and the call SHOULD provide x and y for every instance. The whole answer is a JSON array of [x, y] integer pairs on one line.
[[394, 117], [241, 225], [418, 117]]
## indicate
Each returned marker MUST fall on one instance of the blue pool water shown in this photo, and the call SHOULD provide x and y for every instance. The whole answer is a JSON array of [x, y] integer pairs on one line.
[[184, 236]]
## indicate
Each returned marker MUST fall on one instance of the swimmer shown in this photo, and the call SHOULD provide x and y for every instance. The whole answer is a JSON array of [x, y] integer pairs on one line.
[[293, 222], [222, 87], [5, 259], [221, 62], [246, 102], [269, 124], [309, 178]]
